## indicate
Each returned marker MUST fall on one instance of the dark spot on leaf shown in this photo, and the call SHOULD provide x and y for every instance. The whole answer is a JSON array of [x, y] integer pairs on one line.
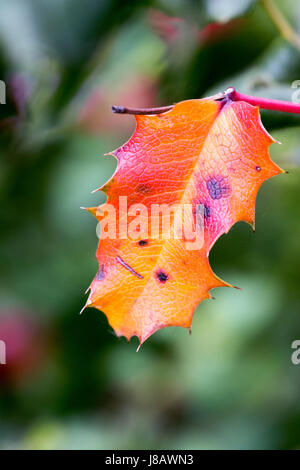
[[258, 168], [202, 209], [143, 242], [143, 188], [217, 188], [207, 212], [162, 276], [100, 274]]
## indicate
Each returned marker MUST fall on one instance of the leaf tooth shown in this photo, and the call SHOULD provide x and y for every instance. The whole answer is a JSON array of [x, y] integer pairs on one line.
[[144, 336], [91, 210], [113, 153], [89, 288], [218, 282], [251, 222], [248, 219], [87, 304], [96, 190]]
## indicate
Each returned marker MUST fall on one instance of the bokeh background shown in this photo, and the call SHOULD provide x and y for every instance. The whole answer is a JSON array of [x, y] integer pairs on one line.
[[69, 383]]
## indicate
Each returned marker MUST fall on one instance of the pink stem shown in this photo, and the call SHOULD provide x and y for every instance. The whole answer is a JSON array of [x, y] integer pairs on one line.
[[264, 103]]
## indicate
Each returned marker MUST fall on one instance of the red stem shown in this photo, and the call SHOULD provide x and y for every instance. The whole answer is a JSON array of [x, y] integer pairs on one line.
[[264, 103]]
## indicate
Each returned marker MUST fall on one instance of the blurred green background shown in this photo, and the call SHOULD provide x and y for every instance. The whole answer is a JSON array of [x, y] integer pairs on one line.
[[69, 383]]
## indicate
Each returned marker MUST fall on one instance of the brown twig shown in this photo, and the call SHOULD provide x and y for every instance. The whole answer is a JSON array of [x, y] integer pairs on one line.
[[163, 109], [136, 111]]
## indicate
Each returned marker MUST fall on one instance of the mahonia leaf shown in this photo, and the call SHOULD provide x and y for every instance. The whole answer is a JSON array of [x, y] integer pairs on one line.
[[209, 152]]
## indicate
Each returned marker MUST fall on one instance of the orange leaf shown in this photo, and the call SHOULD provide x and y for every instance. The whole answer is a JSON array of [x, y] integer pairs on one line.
[[202, 153]]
